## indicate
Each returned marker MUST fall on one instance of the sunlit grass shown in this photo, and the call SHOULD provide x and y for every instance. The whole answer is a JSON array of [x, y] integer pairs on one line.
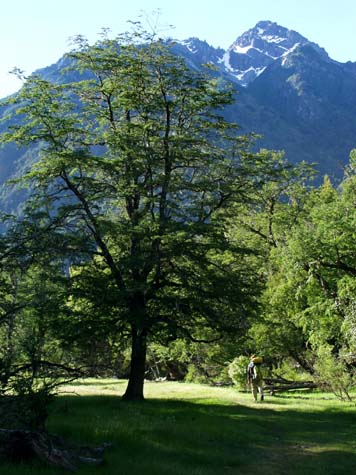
[[191, 429], [205, 394]]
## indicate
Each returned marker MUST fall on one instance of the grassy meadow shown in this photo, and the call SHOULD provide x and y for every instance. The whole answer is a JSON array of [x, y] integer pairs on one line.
[[191, 429]]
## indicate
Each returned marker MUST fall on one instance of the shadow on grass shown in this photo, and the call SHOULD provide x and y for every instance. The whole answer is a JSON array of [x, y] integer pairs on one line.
[[180, 438], [98, 382]]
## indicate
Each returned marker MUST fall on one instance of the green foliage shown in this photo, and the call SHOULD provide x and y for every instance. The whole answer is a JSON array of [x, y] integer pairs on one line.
[[33, 289], [311, 280], [181, 359], [288, 369], [238, 371], [28, 401], [332, 373], [168, 361], [195, 375], [349, 328]]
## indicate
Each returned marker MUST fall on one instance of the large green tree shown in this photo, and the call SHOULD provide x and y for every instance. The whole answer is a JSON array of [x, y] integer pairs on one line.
[[137, 171], [309, 298]]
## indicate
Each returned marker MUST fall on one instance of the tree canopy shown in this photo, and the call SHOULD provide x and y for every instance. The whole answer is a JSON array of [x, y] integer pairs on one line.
[[137, 174]]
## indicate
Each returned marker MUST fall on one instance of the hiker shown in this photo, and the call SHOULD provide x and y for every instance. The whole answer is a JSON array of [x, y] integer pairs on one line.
[[254, 376]]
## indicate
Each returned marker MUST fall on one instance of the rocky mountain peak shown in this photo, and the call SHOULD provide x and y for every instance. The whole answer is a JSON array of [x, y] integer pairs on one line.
[[257, 48], [270, 37], [251, 53]]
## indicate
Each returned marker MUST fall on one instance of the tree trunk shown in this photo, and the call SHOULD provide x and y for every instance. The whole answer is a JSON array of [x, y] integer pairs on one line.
[[134, 390]]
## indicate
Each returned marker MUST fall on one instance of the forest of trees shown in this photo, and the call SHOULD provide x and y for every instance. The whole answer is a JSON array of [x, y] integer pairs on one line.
[[156, 243]]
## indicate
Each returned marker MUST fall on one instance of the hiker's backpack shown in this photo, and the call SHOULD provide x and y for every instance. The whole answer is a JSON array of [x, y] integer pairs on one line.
[[256, 371], [254, 368], [250, 371]]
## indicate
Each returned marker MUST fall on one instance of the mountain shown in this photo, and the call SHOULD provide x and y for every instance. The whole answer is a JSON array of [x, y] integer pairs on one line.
[[255, 50], [316, 98], [288, 90], [252, 52]]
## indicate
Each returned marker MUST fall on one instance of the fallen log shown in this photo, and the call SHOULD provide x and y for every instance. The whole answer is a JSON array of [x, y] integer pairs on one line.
[[278, 380], [274, 386], [19, 445]]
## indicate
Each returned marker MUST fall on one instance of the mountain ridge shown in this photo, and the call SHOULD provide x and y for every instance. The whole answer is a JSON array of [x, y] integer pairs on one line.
[[253, 51], [298, 98], [287, 89]]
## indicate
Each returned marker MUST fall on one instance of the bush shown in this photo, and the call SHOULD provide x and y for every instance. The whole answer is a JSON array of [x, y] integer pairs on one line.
[[195, 375], [332, 373], [237, 372], [288, 369]]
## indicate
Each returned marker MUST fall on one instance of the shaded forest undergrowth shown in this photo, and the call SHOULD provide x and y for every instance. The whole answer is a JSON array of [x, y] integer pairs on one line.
[[196, 429]]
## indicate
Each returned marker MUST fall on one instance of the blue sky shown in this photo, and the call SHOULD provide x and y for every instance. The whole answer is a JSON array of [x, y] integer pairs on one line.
[[34, 33]]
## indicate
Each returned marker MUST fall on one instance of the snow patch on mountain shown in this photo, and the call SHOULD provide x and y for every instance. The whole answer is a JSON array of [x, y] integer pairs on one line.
[[285, 55], [189, 44], [241, 49], [272, 39]]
